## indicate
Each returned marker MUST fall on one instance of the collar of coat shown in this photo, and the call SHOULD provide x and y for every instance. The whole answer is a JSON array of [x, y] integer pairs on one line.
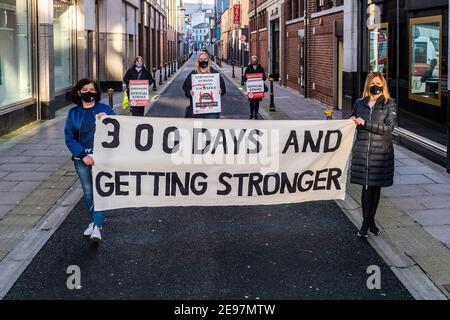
[[380, 101]]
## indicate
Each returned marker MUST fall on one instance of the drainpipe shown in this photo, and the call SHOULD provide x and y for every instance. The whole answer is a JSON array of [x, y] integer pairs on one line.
[[305, 51]]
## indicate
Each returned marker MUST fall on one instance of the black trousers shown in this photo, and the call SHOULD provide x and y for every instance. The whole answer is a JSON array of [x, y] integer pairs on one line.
[[369, 202], [137, 111], [254, 107]]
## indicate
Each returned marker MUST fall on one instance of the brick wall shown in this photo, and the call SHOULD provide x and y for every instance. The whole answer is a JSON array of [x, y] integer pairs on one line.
[[263, 50], [253, 44], [292, 56], [321, 52], [322, 59]]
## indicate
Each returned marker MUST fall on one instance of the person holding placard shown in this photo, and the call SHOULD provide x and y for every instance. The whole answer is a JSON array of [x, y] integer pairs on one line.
[[256, 75], [139, 76], [79, 134], [204, 86]]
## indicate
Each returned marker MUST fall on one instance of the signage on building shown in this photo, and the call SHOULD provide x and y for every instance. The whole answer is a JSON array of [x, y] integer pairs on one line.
[[237, 14]]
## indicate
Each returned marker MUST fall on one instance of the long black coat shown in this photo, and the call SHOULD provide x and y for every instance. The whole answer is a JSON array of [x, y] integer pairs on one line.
[[187, 88], [251, 70], [373, 151]]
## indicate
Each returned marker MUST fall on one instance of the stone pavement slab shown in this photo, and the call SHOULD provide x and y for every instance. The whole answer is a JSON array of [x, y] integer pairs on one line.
[[412, 179], [433, 217], [440, 232], [12, 198], [26, 176], [5, 208]]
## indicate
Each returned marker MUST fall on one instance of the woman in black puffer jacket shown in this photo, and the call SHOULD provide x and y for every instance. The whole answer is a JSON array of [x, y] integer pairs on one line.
[[373, 151]]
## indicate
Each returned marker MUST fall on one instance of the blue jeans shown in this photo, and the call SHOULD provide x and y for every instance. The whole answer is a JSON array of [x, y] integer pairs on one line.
[[85, 175]]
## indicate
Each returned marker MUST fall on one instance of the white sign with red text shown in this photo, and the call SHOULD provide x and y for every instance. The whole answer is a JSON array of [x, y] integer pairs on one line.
[[206, 88], [139, 93], [255, 86]]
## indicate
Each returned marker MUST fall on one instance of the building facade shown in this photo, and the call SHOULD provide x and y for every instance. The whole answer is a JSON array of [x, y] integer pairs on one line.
[[408, 42], [46, 46], [324, 49], [200, 34], [300, 43]]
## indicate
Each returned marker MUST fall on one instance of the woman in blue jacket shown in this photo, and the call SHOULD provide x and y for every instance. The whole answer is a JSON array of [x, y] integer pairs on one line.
[[79, 134]]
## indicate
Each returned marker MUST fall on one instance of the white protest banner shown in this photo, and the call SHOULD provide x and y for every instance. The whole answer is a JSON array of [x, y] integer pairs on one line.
[[139, 93], [155, 162], [255, 86], [206, 97]]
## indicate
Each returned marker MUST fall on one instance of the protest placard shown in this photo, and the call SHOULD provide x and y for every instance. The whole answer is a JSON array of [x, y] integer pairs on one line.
[[206, 97]]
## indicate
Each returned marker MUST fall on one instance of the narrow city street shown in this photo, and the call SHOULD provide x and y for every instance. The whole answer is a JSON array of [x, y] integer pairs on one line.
[[173, 102], [296, 251]]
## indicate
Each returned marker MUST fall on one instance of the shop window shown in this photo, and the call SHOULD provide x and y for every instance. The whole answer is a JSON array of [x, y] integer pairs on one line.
[[325, 4], [425, 50], [62, 38], [15, 52], [378, 48]]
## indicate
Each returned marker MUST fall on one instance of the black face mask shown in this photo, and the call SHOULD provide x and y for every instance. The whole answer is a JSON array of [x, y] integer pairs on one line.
[[87, 96], [375, 90], [203, 64]]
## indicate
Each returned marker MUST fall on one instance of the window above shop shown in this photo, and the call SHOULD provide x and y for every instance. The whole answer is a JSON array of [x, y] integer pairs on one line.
[[295, 9], [328, 4]]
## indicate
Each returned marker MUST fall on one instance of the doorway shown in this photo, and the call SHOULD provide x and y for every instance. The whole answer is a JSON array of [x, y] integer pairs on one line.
[[302, 66], [340, 72], [275, 49]]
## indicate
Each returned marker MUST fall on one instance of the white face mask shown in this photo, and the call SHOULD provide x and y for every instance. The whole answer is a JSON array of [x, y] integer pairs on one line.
[[139, 64]]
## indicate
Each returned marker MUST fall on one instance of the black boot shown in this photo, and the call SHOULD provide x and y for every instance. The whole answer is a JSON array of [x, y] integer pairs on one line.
[[362, 233], [373, 229], [366, 209]]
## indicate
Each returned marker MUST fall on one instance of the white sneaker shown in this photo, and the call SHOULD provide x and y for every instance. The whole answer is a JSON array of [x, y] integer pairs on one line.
[[89, 230], [96, 235]]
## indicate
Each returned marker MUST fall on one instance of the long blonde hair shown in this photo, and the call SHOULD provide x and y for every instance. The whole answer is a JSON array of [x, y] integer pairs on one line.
[[369, 79], [197, 65]]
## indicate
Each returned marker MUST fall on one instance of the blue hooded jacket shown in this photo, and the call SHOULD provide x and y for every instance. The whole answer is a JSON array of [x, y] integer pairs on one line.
[[75, 141]]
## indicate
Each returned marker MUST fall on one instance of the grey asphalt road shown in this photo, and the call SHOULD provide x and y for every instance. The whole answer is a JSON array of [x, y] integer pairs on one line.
[[287, 252]]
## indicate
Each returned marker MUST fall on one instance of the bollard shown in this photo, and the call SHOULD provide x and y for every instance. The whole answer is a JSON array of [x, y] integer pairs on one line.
[[165, 71], [272, 97], [160, 76], [154, 79], [176, 65], [242, 76], [111, 102], [169, 69], [232, 66], [329, 113]]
